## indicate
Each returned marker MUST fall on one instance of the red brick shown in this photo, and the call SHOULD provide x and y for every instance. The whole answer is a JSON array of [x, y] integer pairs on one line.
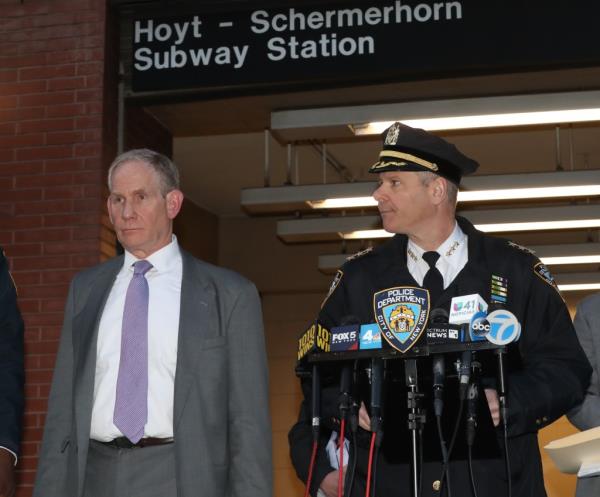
[[94, 81], [21, 9], [22, 223], [40, 348], [43, 291], [78, 55], [60, 138], [88, 122], [91, 135], [63, 165], [93, 191], [87, 205], [28, 449], [30, 420], [30, 434], [8, 101], [43, 319], [28, 463], [43, 235], [19, 168], [6, 155], [54, 19], [84, 261], [50, 99], [47, 361], [46, 72], [7, 75], [32, 335], [22, 114], [22, 88], [22, 195], [26, 249], [43, 207], [51, 333], [71, 247], [67, 84], [57, 276], [44, 390], [87, 150], [44, 180], [89, 68], [29, 306], [44, 263], [24, 60], [94, 108], [17, 141], [64, 110], [63, 192], [49, 152], [89, 177], [89, 95], [46, 125], [25, 278], [54, 305], [6, 238], [76, 220], [8, 128]]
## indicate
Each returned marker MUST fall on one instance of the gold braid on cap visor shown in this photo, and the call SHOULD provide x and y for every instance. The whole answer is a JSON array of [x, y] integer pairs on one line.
[[401, 155]]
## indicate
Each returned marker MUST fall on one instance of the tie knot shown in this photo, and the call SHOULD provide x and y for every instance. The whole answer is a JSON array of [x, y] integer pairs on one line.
[[431, 258], [141, 267]]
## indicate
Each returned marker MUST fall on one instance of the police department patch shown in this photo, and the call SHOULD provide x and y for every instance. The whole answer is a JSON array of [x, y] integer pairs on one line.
[[544, 273], [401, 314], [334, 284]]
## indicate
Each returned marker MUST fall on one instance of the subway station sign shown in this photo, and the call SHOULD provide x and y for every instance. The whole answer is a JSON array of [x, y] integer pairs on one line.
[[368, 41]]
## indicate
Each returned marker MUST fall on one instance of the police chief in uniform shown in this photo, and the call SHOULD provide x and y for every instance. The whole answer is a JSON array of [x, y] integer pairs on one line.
[[547, 371]]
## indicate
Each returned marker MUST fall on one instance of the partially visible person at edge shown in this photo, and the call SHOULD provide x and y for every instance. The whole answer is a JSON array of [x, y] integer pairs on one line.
[[547, 371], [11, 379], [587, 415], [160, 387]]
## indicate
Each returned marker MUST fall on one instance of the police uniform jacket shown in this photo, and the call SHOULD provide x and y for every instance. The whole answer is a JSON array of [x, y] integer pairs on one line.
[[547, 374]]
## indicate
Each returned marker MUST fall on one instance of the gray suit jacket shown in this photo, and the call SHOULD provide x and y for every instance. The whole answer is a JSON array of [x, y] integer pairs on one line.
[[220, 420], [587, 414]]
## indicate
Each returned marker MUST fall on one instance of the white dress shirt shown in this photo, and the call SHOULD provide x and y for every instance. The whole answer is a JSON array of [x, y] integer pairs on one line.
[[164, 283], [453, 252]]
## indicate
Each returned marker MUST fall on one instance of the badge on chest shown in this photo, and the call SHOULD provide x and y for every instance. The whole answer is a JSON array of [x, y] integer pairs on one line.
[[401, 314]]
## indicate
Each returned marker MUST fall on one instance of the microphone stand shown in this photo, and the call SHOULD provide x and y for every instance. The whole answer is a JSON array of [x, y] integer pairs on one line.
[[415, 417]]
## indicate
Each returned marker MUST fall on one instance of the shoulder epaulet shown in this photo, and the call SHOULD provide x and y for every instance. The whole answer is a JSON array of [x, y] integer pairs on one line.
[[359, 254], [521, 248]]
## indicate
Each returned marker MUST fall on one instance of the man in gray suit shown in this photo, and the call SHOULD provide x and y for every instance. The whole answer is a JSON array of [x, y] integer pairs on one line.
[[160, 385], [587, 414]]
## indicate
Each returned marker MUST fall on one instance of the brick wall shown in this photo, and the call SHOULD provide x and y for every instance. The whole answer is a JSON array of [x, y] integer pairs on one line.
[[52, 109]]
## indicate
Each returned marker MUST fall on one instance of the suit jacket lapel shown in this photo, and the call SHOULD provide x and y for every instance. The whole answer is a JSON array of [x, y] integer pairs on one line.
[[85, 336], [196, 303]]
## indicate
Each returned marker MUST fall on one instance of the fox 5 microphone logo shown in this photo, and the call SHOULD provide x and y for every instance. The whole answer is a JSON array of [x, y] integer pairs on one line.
[[504, 327]]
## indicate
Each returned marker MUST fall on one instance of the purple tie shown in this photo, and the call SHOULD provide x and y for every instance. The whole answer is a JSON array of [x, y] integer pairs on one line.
[[131, 405]]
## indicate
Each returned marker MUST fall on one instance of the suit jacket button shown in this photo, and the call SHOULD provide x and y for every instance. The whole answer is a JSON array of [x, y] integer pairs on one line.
[[436, 485]]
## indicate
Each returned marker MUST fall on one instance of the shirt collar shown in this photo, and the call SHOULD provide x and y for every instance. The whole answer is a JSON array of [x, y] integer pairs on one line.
[[447, 250], [162, 260]]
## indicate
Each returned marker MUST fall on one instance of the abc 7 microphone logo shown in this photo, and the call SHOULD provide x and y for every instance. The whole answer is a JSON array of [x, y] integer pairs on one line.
[[504, 327]]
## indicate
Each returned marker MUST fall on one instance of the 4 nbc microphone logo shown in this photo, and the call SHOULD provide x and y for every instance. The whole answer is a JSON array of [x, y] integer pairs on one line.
[[500, 327]]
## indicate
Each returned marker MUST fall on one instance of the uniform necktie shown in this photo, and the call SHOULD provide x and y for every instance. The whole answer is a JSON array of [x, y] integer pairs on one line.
[[131, 405], [433, 280]]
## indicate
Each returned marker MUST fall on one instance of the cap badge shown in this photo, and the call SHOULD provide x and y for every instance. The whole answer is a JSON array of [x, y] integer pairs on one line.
[[392, 134]]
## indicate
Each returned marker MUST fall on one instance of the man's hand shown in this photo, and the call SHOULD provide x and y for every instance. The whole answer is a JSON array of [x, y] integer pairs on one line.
[[494, 403], [329, 485], [364, 421], [7, 474]]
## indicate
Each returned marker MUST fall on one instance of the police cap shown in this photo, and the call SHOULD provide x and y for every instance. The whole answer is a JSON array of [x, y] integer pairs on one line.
[[412, 149]]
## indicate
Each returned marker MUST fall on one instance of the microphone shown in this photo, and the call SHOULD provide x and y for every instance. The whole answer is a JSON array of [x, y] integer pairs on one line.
[[464, 372], [345, 337], [438, 316], [472, 398], [463, 307], [316, 338], [316, 402], [376, 389], [439, 373], [439, 331]]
